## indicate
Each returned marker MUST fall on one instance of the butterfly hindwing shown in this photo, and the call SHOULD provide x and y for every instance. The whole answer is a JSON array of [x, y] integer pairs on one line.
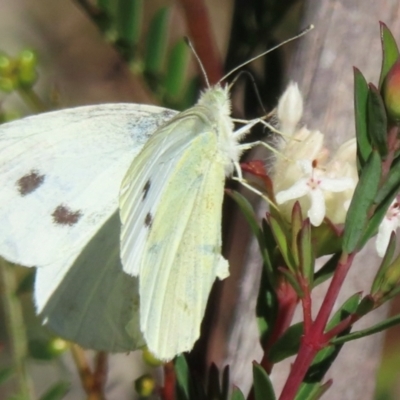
[[96, 303]]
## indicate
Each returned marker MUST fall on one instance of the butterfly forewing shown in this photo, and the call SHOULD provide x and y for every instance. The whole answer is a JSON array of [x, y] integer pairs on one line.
[[180, 255], [60, 175], [144, 182]]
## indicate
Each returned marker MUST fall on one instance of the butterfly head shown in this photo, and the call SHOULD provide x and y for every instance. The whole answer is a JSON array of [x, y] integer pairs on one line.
[[216, 98]]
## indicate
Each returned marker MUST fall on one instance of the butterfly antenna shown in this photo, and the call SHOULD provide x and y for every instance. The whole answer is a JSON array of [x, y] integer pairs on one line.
[[302, 33], [189, 43], [254, 84]]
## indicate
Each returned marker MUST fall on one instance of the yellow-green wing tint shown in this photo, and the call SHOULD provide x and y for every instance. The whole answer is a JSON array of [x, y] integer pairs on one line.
[[182, 256], [144, 182]]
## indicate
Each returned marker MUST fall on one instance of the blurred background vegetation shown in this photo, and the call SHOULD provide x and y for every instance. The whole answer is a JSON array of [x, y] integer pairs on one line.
[[91, 52]]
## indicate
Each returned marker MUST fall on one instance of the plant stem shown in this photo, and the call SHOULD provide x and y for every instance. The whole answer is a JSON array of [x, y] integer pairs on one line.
[[315, 340], [168, 390], [16, 329], [92, 387]]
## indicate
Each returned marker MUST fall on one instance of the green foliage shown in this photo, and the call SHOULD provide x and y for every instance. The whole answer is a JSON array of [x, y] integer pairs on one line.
[[363, 198], [288, 344], [390, 52], [361, 90], [56, 391], [263, 388]]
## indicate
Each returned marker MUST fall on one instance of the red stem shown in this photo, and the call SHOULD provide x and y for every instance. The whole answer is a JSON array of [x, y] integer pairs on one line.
[[315, 340], [168, 390], [306, 304], [333, 291]]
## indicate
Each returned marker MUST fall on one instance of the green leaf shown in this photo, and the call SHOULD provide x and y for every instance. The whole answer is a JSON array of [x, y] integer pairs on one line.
[[297, 223], [326, 239], [237, 394], [129, 21], [327, 270], [377, 121], [316, 392], [391, 185], [390, 52], [251, 218], [364, 194], [176, 70], [385, 264], [306, 255], [361, 90], [57, 391], [263, 389], [282, 242], [183, 380], [366, 305], [287, 345], [5, 374], [374, 222], [381, 326], [157, 40], [266, 308]]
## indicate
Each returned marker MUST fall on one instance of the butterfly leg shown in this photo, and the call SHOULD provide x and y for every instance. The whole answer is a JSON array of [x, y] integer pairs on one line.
[[239, 178]]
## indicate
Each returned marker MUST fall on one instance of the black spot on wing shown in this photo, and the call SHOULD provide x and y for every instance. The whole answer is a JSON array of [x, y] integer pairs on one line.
[[29, 182], [148, 220], [63, 215], [146, 189]]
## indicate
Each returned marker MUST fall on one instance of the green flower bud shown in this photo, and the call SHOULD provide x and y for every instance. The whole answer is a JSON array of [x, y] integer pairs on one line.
[[8, 85], [6, 65], [47, 349], [27, 62], [27, 59], [391, 91], [145, 385]]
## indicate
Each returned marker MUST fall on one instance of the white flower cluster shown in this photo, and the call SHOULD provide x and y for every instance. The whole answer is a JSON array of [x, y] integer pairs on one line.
[[303, 172]]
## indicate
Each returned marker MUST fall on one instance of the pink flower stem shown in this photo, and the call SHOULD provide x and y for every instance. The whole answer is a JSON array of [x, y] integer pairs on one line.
[[314, 340]]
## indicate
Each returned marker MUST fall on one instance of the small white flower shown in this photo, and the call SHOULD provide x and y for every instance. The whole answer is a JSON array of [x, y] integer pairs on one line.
[[313, 185], [390, 223], [304, 172]]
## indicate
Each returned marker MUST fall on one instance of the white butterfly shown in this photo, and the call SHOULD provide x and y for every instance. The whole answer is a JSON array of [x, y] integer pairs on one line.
[[61, 175]]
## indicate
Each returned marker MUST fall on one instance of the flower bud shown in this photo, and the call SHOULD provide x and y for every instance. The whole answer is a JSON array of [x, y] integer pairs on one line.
[[145, 385], [6, 65], [391, 91]]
